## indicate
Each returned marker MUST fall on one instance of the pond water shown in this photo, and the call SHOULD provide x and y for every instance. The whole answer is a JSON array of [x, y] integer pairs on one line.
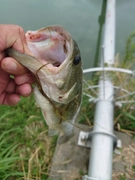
[[79, 17]]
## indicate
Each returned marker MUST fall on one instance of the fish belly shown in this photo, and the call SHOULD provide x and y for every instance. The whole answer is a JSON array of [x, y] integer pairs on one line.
[[56, 126]]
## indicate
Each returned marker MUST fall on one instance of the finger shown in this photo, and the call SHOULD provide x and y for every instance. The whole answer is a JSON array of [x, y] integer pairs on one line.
[[4, 79], [11, 66], [9, 99], [13, 99], [24, 90], [20, 42], [11, 86], [13, 35], [2, 55], [25, 78]]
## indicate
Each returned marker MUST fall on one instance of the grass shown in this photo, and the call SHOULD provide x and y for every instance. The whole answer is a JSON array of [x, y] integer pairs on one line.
[[25, 148]]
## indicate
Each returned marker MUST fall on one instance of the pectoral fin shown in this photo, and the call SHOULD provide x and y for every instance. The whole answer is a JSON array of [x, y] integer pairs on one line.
[[68, 96]]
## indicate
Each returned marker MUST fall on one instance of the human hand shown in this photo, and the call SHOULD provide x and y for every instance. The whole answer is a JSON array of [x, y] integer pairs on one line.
[[19, 84]]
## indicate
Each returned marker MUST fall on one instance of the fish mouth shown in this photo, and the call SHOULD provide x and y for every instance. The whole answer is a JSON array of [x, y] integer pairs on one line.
[[52, 46]]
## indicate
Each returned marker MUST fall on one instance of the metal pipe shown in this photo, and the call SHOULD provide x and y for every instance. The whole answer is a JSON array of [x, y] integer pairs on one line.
[[102, 144], [100, 164], [97, 69], [109, 34]]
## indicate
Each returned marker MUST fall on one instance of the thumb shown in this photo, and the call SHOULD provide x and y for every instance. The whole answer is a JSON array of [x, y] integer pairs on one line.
[[13, 35]]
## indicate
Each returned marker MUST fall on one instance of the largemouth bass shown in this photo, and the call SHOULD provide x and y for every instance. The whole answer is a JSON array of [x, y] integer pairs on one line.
[[57, 68]]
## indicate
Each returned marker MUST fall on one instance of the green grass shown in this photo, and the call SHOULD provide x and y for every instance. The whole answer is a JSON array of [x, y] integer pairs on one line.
[[25, 148], [123, 177]]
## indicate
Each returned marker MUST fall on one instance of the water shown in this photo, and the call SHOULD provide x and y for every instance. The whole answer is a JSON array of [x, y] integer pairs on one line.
[[79, 17]]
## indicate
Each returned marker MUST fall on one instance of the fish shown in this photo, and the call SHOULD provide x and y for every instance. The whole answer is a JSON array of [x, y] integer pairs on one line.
[[57, 68]]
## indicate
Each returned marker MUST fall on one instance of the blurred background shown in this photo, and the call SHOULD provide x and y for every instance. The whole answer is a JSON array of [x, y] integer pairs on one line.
[[82, 18]]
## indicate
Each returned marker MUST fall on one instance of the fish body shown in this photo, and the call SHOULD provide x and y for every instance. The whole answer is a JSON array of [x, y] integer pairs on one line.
[[57, 68]]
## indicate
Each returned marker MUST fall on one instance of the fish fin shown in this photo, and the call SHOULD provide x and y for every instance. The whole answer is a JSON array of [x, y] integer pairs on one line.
[[68, 96], [65, 138], [53, 132]]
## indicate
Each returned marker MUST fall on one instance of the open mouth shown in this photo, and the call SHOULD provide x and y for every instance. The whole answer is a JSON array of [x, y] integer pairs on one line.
[[49, 46]]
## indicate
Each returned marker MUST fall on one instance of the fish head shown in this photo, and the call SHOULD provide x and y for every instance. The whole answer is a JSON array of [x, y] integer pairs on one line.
[[58, 62]]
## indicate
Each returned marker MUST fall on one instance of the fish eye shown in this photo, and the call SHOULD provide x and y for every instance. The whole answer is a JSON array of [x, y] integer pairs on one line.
[[77, 59]]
